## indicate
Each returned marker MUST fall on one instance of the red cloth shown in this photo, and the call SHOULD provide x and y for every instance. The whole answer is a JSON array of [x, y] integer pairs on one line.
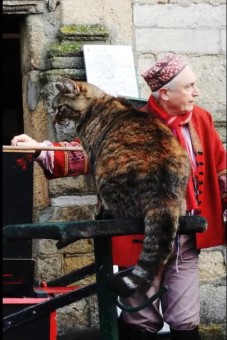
[[69, 163], [126, 249], [212, 172]]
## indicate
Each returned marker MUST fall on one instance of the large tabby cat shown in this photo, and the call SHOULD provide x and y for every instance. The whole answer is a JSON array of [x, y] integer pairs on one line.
[[140, 170]]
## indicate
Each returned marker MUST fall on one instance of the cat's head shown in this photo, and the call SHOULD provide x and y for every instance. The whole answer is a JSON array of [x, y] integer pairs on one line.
[[70, 104]]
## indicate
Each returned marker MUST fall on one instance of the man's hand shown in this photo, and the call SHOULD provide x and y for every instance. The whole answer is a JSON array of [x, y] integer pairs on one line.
[[24, 140]]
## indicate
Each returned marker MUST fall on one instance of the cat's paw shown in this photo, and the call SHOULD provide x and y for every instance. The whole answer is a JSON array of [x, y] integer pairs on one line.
[[121, 286]]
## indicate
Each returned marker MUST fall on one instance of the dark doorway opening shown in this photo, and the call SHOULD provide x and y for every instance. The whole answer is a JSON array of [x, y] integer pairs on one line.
[[17, 183], [12, 110]]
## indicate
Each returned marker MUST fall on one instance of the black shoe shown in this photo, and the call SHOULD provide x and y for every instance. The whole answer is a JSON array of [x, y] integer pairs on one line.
[[128, 332], [185, 335]]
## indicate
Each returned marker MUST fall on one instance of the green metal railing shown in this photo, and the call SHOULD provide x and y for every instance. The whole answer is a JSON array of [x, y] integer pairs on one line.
[[101, 231]]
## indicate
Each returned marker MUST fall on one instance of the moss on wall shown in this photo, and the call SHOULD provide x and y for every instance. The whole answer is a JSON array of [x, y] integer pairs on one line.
[[83, 30], [64, 49]]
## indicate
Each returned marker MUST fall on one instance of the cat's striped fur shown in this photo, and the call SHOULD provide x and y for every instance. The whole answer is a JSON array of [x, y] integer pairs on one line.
[[139, 167]]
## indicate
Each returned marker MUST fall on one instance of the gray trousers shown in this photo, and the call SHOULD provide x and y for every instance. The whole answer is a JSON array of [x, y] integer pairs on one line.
[[180, 304]]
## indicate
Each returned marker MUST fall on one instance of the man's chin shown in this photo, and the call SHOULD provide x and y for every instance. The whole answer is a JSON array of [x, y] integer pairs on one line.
[[190, 106]]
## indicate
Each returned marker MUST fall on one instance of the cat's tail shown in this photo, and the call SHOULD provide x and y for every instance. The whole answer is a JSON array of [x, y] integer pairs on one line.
[[160, 231]]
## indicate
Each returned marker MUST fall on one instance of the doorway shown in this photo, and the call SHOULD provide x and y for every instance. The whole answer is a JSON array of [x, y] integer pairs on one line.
[[17, 193], [12, 109]]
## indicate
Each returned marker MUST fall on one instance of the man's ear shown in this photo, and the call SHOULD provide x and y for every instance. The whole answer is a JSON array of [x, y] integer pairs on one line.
[[163, 93]]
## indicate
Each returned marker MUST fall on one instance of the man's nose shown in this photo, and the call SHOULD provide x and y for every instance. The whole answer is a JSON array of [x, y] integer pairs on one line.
[[196, 91]]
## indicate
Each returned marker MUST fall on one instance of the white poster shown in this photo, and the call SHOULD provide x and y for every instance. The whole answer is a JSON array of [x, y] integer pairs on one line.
[[111, 67]]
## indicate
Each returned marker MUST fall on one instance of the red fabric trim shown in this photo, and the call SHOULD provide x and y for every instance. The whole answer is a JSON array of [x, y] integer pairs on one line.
[[69, 163]]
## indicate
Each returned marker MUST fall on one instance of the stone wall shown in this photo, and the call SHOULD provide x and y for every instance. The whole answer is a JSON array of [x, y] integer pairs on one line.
[[51, 46]]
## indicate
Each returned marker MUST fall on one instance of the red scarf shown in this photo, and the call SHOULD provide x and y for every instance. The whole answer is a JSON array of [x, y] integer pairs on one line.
[[175, 123]]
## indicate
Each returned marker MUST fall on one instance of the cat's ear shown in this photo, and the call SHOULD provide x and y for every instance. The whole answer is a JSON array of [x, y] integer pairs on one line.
[[68, 88]]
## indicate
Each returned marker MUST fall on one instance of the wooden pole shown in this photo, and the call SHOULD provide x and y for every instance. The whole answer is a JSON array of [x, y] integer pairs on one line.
[[32, 149]]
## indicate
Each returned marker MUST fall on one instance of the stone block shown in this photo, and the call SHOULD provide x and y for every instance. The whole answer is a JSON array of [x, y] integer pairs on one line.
[[78, 247], [49, 267], [73, 316], [40, 32], [72, 11], [67, 62], [73, 213], [86, 32], [40, 189], [177, 40], [213, 303], [44, 248], [78, 261], [83, 184], [78, 200], [212, 265], [65, 49], [54, 75], [92, 302], [194, 16], [23, 7]]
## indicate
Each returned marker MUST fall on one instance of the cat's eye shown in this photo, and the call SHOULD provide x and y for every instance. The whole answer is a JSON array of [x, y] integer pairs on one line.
[[61, 109]]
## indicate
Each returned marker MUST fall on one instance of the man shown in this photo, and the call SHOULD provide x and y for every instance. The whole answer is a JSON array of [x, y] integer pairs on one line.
[[174, 91]]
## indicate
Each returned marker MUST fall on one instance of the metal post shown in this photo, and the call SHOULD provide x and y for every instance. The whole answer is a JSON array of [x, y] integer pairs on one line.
[[106, 304]]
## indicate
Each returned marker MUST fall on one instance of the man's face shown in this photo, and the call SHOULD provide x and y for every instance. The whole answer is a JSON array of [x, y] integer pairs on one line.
[[183, 93]]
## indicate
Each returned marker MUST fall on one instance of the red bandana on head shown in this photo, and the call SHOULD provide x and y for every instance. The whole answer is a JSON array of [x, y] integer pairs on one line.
[[175, 123]]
